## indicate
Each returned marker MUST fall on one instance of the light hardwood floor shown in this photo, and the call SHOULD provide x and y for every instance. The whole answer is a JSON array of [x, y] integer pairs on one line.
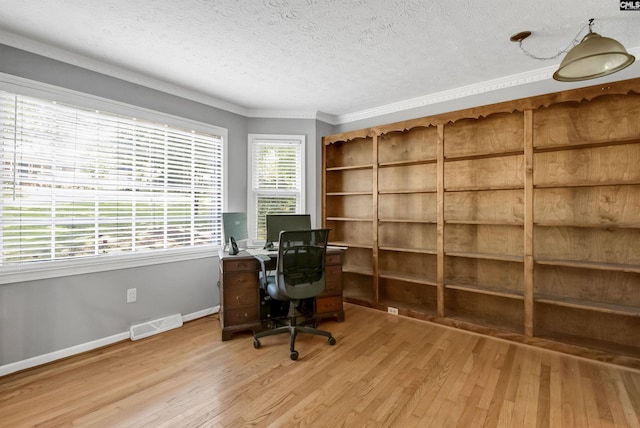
[[384, 371]]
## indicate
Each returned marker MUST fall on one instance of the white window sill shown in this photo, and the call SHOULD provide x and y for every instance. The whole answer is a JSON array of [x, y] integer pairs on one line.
[[56, 269]]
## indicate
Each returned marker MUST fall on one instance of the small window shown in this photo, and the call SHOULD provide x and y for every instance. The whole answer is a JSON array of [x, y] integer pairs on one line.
[[276, 177]]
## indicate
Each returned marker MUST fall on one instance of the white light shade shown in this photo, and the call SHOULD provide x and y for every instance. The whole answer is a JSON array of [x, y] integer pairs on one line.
[[595, 56]]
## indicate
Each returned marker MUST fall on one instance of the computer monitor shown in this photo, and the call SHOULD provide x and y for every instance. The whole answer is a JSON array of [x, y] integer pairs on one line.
[[234, 225], [279, 222]]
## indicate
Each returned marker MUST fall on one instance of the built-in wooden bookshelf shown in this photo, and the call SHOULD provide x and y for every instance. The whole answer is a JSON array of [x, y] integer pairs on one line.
[[520, 218], [483, 220], [349, 211], [587, 222], [407, 219]]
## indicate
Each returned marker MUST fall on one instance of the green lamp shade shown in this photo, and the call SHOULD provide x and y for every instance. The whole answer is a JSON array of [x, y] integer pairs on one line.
[[595, 56]]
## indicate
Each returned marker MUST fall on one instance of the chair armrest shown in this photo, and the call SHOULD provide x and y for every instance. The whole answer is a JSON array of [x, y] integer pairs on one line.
[[262, 258]]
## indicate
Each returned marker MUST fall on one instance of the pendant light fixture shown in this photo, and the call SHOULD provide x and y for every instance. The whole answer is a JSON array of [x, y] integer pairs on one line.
[[595, 56]]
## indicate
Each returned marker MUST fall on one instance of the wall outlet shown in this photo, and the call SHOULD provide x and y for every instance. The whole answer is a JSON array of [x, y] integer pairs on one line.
[[132, 295], [392, 310]]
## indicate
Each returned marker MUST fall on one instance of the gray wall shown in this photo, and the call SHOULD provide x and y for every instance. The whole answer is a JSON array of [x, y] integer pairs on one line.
[[40, 317], [45, 316]]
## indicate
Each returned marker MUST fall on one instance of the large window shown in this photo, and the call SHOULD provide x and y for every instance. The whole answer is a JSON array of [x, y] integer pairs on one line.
[[276, 177], [79, 183]]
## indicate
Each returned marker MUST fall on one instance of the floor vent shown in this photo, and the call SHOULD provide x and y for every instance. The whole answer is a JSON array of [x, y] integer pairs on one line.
[[150, 328]]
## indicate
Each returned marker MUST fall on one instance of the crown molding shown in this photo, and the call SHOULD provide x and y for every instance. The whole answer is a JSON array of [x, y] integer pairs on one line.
[[512, 81], [451, 94], [281, 114], [327, 118], [292, 114]]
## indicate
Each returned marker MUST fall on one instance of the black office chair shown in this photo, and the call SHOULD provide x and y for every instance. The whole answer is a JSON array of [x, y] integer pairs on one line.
[[299, 275]]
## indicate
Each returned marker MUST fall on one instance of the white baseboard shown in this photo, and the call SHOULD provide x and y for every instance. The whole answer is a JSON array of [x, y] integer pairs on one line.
[[203, 313], [62, 353], [84, 347]]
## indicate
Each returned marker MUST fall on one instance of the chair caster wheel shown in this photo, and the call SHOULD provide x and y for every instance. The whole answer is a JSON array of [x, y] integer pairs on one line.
[[332, 341], [256, 343], [294, 355]]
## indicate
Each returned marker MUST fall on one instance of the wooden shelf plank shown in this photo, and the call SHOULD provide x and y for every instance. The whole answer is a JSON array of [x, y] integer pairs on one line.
[[471, 156], [405, 220], [486, 256], [406, 162], [357, 269], [587, 184], [509, 294], [474, 189], [405, 191], [590, 225], [407, 277], [595, 144], [349, 193], [348, 219], [589, 265], [349, 167], [349, 244], [486, 222], [408, 250], [588, 305]]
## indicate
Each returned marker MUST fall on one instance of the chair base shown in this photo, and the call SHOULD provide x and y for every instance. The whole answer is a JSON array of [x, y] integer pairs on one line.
[[292, 329]]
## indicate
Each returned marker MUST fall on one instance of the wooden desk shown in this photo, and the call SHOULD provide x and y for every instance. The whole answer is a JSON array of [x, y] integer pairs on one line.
[[240, 292]]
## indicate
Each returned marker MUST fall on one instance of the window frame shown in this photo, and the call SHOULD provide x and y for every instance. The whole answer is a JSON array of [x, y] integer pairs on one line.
[[301, 207], [55, 269]]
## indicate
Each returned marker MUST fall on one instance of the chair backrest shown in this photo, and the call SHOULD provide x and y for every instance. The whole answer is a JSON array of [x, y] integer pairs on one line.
[[300, 272]]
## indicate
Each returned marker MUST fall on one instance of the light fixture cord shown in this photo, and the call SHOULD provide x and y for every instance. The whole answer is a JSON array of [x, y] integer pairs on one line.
[[574, 42]]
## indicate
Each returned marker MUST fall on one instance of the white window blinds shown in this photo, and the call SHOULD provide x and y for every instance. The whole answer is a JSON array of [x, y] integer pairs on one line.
[[277, 179], [81, 183]]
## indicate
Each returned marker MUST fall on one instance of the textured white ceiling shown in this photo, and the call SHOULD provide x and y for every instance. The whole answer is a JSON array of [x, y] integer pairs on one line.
[[333, 56]]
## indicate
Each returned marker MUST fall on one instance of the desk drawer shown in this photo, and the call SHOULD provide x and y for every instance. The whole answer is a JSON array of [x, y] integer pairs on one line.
[[246, 264], [240, 289], [247, 315], [240, 298], [236, 280], [328, 304]]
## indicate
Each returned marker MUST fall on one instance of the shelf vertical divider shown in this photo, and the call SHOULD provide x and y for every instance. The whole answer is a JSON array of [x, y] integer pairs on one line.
[[374, 218], [440, 222], [324, 182], [528, 223]]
